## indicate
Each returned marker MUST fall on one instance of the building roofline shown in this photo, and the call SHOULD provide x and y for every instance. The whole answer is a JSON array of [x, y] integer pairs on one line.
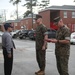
[[27, 18], [11, 21], [58, 8]]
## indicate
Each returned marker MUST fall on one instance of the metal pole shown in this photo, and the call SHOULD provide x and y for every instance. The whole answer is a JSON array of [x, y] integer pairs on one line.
[[5, 14], [31, 12], [17, 10]]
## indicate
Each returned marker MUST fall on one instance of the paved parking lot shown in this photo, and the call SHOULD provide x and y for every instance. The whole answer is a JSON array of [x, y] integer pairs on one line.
[[25, 59]]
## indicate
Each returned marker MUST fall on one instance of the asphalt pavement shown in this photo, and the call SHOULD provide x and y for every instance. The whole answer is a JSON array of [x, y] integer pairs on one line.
[[25, 59]]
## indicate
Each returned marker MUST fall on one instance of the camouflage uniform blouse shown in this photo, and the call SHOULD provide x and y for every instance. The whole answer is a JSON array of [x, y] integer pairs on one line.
[[62, 34], [40, 32]]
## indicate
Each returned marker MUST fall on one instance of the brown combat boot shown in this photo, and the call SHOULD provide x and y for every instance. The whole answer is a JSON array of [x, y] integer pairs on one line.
[[37, 72], [41, 73]]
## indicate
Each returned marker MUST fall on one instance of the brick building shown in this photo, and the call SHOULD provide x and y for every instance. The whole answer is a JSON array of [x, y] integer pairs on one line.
[[25, 23], [66, 12], [15, 23]]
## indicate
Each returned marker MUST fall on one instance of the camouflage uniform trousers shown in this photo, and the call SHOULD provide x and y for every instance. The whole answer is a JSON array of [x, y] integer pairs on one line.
[[40, 57], [62, 64]]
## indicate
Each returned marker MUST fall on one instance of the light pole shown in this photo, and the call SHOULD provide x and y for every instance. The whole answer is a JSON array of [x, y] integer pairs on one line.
[[31, 9], [5, 14], [31, 12], [32, 3], [17, 10]]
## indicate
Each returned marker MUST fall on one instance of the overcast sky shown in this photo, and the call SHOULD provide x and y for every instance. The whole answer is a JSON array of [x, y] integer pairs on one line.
[[10, 9]]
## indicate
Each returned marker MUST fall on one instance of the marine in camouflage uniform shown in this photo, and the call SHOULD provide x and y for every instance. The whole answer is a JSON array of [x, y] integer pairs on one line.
[[62, 51], [62, 46], [40, 54], [41, 31]]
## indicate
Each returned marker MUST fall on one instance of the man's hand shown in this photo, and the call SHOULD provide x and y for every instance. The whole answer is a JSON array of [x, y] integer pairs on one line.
[[48, 40], [54, 40], [51, 40], [43, 48], [9, 55]]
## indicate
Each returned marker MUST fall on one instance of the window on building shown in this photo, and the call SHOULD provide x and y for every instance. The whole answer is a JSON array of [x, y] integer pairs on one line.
[[15, 24], [73, 14], [65, 14], [26, 21], [33, 21], [21, 23]]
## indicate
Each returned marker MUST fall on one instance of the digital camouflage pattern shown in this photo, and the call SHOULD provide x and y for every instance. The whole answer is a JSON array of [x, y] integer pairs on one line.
[[62, 34], [62, 51], [40, 31], [40, 54]]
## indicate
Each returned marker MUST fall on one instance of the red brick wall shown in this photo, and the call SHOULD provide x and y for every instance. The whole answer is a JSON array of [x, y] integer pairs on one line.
[[69, 19], [28, 23], [46, 20], [22, 22], [18, 26], [46, 17]]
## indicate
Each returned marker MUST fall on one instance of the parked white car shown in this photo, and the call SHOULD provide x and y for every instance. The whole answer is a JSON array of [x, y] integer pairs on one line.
[[15, 33], [72, 38]]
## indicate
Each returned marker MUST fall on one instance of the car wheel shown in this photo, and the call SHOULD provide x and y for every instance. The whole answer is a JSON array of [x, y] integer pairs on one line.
[[14, 36], [21, 37]]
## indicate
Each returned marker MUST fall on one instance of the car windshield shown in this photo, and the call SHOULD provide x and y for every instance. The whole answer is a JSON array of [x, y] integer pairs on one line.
[[24, 30]]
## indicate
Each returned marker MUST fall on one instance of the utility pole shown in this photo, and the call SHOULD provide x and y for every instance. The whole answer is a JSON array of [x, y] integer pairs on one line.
[[4, 14], [31, 12], [17, 10], [31, 8]]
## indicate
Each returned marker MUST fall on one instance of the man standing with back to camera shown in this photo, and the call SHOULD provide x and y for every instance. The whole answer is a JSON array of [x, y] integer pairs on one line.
[[7, 46], [62, 46], [41, 44]]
